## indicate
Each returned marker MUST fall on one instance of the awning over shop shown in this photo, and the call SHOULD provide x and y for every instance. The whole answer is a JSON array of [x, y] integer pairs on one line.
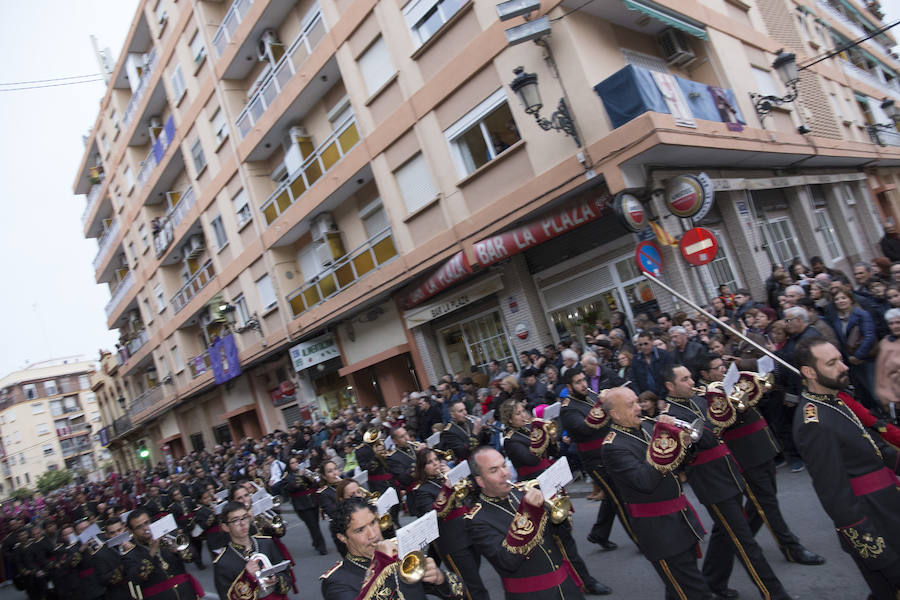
[[465, 296], [669, 17], [768, 183], [374, 360]]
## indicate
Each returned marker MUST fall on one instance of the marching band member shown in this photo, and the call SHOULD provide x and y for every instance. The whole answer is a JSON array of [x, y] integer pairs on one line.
[[184, 509], [242, 492], [327, 494], [370, 455], [236, 567], [527, 444], [401, 461], [461, 436], [110, 565], [158, 571], [205, 518], [453, 546], [302, 490], [371, 569], [81, 559]]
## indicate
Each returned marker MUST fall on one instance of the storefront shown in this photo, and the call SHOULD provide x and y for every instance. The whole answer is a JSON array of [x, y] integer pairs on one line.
[[318, 362]]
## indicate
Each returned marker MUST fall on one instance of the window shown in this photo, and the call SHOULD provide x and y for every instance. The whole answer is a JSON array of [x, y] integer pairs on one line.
[[219, 125], [17, 437], [198, 157], [90, 397], [826, 228], [104, 145], [477, 341], [765, 83], [95, 416], [48, 449], [720, 269], [160, 298], [142, 232], [178, 88], [42, 429], [11, 417], [375, 65], [836, 105], [160, 13], [374, 218], [30, 391], [37, 408], [27, 477], [179, 360], [240, 305], [147, 310], [484, 133], [84, 382], [242, 208], [219, 232], [197, 442], [198, 51], [50, 388], [134, 254], [647, 61], [115, 122], [129, 177], [781, 243], [416, 185], [425, 17], [266, 292]]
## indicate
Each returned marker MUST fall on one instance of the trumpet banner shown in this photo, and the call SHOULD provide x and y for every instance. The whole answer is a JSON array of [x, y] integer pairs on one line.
[[668, 446]]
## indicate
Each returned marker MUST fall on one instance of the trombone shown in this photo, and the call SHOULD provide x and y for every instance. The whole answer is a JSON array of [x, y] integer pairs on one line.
[[559, 507]]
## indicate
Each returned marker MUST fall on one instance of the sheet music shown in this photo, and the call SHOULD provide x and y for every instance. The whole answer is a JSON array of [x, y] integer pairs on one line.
[[459, 472], [434, 439], [259, 495], [418, 534], [556, 477], [221, 495], [362, 478], [262, 505], [386, 501], [552, 411], [93, 531], [487, 417], [731, 378], [765, 365], [162, 526], [118, 540], [218, 507]]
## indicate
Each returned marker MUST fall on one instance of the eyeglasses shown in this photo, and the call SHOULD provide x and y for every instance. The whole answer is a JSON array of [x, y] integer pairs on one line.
[[244, 519]]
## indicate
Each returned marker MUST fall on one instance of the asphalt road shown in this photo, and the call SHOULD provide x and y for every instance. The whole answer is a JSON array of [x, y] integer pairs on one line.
[[624, 569]]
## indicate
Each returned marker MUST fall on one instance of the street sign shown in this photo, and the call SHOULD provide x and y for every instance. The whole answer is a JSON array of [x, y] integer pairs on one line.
[[699, 246], [649, 257]]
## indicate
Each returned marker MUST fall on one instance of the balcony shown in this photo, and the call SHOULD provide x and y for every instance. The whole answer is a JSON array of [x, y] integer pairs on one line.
[[121, 426], [91, 202], [632, 91], [141, 89], [106, 243], [123, 288], [197, 282], [165, 233], [199, 364], [233, 18], [67, 432], [137, 342], [286, 68], [145, 401], [346, 271], [835, 14], [74, 449], [884, 137], [155, 156], [869, 79], [317, 164]]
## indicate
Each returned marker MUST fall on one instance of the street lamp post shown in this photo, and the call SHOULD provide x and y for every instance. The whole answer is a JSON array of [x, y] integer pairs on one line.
[[525, 86]]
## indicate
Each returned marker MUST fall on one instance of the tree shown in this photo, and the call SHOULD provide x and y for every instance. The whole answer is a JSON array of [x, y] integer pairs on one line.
[[21, 494], [52, 480]]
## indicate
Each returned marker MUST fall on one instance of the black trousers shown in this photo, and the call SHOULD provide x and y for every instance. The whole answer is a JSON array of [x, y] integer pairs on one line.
[[763, 486], [731, 531], [682, 577], [197, 549], [466, 563], [570, 550], [310, 517], [610, 506], [879, 584]]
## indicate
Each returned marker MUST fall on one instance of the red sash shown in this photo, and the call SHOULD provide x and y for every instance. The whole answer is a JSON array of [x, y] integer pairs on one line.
[[658, 509], [539, 583], [874, 481], [457, 512], [588, 446], [705, 456], [85, 573], [526, 470], [171, 582], [214, 529], [381, 477], [300, 493], [744, 430]]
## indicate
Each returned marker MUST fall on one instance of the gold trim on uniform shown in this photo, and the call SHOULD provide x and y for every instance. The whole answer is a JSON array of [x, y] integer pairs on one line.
[[810, 413], [866, 545]]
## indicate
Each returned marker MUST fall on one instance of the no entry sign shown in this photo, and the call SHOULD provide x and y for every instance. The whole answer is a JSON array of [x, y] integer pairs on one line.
[[649, 258], [699, 246]]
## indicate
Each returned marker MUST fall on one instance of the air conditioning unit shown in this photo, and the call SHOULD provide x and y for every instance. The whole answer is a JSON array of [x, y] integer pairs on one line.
[[321, 226], [280, 173], [323, 252], [193, 247], [269, 48], [675, 47]]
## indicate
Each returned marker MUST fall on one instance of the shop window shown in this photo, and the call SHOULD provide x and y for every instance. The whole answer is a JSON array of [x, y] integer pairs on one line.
[[222, 434], [376, 66], [197, 442], [476, 342], [483, 134], [781, 241], [426, 17]]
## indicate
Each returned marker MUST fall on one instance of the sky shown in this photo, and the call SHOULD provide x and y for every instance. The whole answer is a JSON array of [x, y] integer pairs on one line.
[[50, 304]]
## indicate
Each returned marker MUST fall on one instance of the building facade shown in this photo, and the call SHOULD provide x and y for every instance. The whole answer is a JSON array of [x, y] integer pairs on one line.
[[304, 204], [49, 418]]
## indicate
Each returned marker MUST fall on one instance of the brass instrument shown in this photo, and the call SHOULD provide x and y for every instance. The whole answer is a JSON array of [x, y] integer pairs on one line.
[[273, 520], [559, 507], [412, 566], [461, 490], [550, 427], [695, 427], [177, 543], [264, 563], [444, 454], [371, 436], [385, 521]]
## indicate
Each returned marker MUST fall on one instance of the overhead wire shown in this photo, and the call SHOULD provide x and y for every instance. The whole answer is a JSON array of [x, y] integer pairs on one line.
[[49, 85], [52, 79]]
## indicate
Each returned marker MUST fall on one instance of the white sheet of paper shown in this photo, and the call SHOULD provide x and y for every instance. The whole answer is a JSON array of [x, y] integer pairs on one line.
[[362, 478], [556, 477], [487, 417], [125, 516], [552, 411], [434, 439], [162, 526], [221, 495], [274, 569], [304, 465], [92, 531], [765, 365], [386, 501], [418, 534], [458, 472], [259, 495], [218, 507], [118, 540], [731, 378], [262, 505], [197, 531]]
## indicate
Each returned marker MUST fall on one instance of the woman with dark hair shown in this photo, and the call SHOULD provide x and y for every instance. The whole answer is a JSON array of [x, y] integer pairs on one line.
[[856, 332], [529, 452], [302, 490], [327, 494], [453, 546], [371, 568]]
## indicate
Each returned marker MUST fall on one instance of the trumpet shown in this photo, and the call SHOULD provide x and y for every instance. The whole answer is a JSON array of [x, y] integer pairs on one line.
[[550, 427], [695, 427], [177, 543], [371, 436], [559, 507], [444, 454], [412, 566], [385, 521], [315, 477], [461, 490], [270, 519]]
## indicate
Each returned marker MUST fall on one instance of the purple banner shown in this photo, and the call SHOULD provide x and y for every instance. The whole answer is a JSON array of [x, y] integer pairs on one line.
[[224, 360]]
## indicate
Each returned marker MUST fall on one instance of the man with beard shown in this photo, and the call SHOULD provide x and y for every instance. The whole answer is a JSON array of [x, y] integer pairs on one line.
[[852, 470]]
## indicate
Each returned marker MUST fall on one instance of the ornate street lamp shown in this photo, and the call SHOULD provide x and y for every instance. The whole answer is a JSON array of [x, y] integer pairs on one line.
[[525, 86]]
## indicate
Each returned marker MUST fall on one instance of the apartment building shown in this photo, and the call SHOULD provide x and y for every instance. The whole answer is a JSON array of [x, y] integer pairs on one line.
[[300, 205], [48, 421]]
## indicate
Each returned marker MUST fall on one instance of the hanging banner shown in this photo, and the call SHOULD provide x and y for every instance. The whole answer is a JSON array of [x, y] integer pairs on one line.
[[675, 100], [223, 359]]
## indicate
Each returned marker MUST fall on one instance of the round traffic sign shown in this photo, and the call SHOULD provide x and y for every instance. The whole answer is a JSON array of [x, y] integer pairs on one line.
[[649, 257], [699, 246]]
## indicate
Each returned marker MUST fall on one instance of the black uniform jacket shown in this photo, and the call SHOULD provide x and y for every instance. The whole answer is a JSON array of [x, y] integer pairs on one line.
[[524, 547], [400, 463], [459, 439], [110, 568], [712, 471], [213, 533], [750, 439], [61, 571], [586, 435], [451, 526], [379, 477], [88, 579], [517, 446], [232, 580], [344, 581], [327, 498], [663, 521], [301, 489], [852, 472], [149, 571]]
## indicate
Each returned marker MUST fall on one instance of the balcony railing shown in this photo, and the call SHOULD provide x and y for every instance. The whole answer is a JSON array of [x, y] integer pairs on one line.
[[145, 400], [318, 163], [141, 89], [123, 288], [121, 426], [884, 137], [105, 243], [286, 68], [165, 234], [73, 450], [229, 25], [346, 271], [870, 79], [92, 196], [199, 364], [157, 151], [835, 14], [137, 342], [197, 282]]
